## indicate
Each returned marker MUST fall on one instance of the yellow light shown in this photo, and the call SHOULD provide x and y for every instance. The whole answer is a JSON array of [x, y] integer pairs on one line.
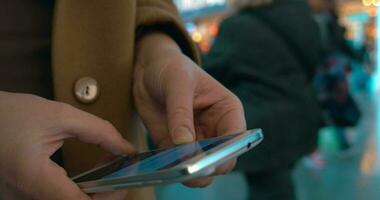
[[197, 36], [367, 2], [371, 2]]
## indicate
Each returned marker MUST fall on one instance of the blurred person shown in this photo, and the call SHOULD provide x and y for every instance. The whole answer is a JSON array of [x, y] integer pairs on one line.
[[337, 56], [96, 61], [266, 53], [332, 32]]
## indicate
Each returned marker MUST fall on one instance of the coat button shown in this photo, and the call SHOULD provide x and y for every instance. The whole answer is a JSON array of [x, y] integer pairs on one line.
[[86, 90]]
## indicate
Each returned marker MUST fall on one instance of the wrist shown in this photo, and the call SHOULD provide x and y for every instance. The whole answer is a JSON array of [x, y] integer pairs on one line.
[[155, 45]]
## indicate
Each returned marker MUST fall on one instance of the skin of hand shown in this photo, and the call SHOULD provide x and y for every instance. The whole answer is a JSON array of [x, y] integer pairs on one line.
[[179, 102], [31, 130]]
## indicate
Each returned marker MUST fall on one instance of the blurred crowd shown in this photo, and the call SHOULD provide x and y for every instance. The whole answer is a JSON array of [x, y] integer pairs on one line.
[[289, 62], [107, 72]]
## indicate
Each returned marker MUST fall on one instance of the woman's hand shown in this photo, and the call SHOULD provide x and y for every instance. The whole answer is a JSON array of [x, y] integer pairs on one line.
[[31, 130], [178, 101]]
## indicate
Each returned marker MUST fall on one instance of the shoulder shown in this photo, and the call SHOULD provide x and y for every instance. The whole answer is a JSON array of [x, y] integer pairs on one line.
[[238, 19], [239, 24]]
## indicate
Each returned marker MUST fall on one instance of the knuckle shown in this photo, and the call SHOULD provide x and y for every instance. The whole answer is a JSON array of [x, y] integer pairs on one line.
[[181, 113], [236, 102], [63, 108]]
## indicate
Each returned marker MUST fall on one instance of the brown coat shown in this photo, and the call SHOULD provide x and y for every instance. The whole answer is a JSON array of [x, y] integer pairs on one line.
[[97, 39]]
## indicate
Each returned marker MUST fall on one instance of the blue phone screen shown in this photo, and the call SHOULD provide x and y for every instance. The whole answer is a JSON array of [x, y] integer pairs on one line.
[[163, 159]]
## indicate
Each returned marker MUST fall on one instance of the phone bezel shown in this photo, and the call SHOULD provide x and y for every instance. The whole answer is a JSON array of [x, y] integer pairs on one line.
[[201, 165]]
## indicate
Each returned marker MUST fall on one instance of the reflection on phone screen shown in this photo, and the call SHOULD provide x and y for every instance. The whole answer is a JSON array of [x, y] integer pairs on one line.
[[155, 160]]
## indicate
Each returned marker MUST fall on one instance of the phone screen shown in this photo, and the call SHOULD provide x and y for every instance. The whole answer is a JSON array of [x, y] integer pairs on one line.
[[154, 160]]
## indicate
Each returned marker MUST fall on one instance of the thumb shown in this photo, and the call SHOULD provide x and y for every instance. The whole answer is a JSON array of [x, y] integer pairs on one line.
[[179, 92], [91, 129]]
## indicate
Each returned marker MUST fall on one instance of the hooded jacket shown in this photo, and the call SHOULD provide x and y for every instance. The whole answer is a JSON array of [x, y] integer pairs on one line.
[[253, 55]]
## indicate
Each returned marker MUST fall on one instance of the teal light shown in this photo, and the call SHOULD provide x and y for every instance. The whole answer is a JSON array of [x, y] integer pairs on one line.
[[376, 79], [361, 17]]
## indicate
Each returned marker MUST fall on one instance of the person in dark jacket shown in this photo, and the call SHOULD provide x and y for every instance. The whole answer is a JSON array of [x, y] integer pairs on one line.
[[332, 80], [266, 53]]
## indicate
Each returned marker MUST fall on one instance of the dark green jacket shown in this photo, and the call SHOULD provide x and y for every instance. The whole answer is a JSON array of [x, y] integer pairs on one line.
[[254, 61]]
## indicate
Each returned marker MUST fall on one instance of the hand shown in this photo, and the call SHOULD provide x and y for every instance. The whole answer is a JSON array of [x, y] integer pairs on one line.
[[31, 130], [178, 101]]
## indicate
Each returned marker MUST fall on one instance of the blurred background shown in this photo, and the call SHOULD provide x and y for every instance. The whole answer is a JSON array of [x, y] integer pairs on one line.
[[345, 164]]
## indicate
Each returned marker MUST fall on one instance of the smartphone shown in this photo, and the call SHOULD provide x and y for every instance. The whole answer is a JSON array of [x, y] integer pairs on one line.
[[162, 166]]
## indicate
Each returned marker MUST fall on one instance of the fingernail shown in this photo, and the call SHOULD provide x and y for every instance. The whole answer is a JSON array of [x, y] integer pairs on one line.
[[128, 148], [182, 135]]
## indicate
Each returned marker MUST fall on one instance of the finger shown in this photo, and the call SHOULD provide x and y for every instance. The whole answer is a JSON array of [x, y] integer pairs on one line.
[[105, 159], [91, 129], [152, 114], [113, 195], [234, 120], [199, 182], [179, 93], [53, 183], [226, 167]]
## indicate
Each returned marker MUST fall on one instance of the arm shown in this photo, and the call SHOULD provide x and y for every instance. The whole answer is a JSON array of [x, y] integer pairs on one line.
[[176, 99]]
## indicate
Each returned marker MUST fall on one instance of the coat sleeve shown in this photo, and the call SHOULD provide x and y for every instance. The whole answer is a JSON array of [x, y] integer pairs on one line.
[[162, 15]]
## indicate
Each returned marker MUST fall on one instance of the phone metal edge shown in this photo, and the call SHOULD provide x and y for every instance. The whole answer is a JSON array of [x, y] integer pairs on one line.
[[184, 170]]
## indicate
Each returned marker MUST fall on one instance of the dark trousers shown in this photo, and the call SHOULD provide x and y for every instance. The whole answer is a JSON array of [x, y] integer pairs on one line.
[[273, 185]]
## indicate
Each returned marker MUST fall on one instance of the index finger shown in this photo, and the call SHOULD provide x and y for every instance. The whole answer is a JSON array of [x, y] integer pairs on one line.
[[91, 129]]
